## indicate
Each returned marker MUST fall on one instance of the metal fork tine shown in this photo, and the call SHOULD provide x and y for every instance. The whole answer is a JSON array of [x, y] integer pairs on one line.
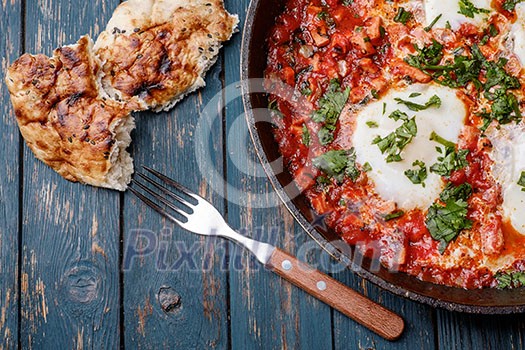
[[159, 198], [171, 182], [154, 206], [165, 190]]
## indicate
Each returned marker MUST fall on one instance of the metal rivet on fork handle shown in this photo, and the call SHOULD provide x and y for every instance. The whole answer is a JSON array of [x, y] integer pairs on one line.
[[287, 265]]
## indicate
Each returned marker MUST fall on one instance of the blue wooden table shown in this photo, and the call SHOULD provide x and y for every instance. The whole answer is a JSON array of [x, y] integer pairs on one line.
[[82, 267]]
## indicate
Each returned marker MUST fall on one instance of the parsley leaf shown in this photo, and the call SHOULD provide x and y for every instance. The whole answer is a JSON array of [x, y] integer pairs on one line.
[[372, 124], [510, 5], [434, 21], [330, 106], [427, 56], [446, 222], [417, 176], [305, 138], [521, 181], [497, 75], [505, 108], [453, 73], [467, 8], [441, 140], [367, 167], [394, 143], [434, 101], [394, 215], [402, 15], [274, 108], [451, 192], [450, 159], [337, 164], [507, 279]]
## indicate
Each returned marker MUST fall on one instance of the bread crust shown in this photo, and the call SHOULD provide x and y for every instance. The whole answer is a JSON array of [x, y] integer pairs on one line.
[[64, 116], [155, 52]]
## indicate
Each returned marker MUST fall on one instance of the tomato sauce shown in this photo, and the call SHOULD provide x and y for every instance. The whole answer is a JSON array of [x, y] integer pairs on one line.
[[314, 42]]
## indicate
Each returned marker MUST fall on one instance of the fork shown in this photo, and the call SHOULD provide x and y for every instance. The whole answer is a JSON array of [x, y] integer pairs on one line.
[[197, 215]]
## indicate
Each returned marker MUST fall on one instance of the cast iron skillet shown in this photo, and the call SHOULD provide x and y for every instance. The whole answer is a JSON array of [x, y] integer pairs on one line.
[[260, 18]]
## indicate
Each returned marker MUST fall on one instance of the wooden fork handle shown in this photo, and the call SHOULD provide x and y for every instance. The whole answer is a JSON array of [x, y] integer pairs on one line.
[[354, 305]]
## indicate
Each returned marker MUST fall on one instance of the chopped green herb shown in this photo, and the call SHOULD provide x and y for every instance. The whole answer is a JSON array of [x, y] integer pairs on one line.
[[394, 215], [374, 93], [323, 180], [397, 114], [510, 5], [322, 15], [305, 138], [402, 15], [414, 94], [456, 73], [467, 8], [417, 176], [450, 160], [451, 192], [496, 73], [434, 21], [434, 101], [394, 143], [306, 91], [366, 39], [274, 108], [325, 135], [446, 222], [509, 279], [372, 124], [330, 106], [337, 164], [505, 108], [441, 140], [384, 108], [367, 167], [428, 56], [447, 25], [493, 31], [348, 2], [521, 181], [382, 31]]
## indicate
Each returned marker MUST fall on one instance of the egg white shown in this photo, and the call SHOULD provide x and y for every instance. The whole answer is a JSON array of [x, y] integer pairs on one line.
[[388, 178]]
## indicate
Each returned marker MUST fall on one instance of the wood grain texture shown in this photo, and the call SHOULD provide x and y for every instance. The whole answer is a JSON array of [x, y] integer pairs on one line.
[[371, 315], [419, 327], [266, 311], [69, 283], [70, 231], [175, 285], [10, 45], [461, 331]]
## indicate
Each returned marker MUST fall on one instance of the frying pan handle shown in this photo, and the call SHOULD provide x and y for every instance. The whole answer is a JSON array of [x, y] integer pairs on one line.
[[342, 298]]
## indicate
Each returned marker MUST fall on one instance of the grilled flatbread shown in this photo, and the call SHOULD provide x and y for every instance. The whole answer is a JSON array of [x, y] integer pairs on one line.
[[66, 118], [155, 52], [73, 109]]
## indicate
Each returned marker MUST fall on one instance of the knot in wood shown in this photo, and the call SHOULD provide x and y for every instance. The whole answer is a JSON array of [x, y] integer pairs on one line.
[[169, 299], [82, 283]]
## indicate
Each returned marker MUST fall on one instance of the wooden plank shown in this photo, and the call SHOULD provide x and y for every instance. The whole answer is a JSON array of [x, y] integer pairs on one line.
[[175, 286], [266, 311], [419, 328], [70, 276], [10, 45], [463, 331]]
